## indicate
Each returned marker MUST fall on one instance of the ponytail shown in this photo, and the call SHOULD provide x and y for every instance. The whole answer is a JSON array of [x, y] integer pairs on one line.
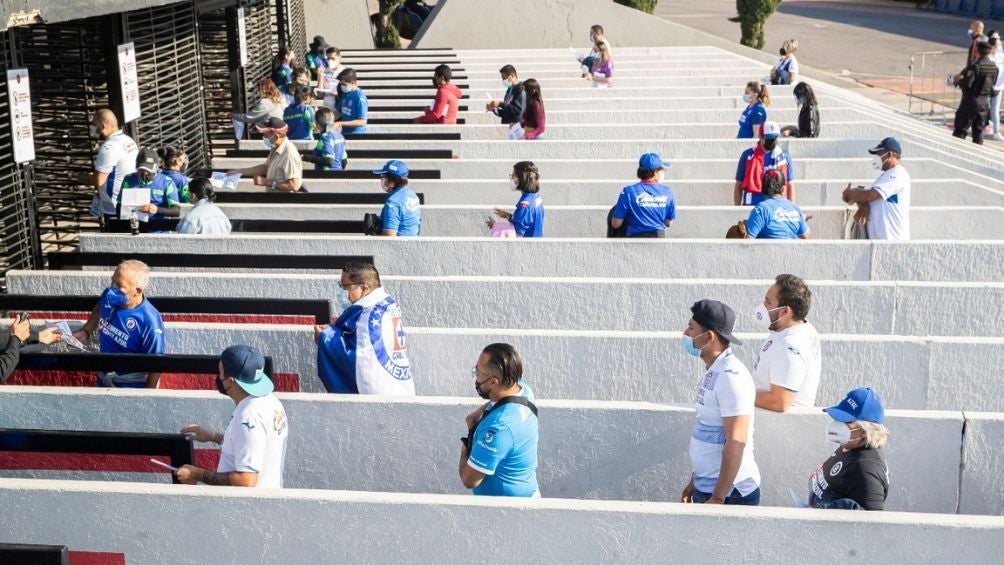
[[761, 91], [202, 189]]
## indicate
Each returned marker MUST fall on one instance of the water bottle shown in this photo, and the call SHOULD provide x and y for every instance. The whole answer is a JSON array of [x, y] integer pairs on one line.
[[134, 222]]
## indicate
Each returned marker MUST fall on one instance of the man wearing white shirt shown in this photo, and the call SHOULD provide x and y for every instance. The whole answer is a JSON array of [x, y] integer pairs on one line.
[[884, 207], [253, 449], [116, 158], [787, 367]]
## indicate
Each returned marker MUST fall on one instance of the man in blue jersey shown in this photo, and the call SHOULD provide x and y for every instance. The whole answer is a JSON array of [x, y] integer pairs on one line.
[[126, 322], [776, 217], [402, 213], [353, 107], [757, 160], [499, 455], [365, 350], [648, 207]]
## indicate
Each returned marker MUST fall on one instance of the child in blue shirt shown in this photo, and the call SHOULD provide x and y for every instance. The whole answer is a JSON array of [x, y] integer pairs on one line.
[[300, 116], [329, 152]]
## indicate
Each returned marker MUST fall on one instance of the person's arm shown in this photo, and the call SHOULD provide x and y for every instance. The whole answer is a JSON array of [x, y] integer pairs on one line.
[[153, 344], [90, 326], [737, 193], [391, 217], [803, 228], [670, 212], [492, 444], [11, 354], [777, 399], [255, 171], [620, 211], [468, 476], [736, 432], [755, 222], [96, 179], [860, 196], [260, 110], [870, 490]]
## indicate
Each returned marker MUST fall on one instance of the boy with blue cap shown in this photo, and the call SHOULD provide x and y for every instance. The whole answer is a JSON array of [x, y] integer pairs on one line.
[[647, 208], [401, 214], [253, 449]]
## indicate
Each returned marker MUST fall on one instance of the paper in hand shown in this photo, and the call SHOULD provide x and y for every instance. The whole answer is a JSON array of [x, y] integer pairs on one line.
[[164, 465], [223, 180], [133, 198], [68, 339], [238, 129]]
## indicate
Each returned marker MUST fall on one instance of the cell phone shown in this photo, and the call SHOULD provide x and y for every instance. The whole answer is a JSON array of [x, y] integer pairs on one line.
[[463, 440], [22, 317]]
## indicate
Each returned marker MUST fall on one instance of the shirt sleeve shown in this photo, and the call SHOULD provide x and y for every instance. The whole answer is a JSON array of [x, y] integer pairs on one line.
[[250, 440], [759, 115], [391, 216], [788, 367], [755, 222], [869, 488], [186, 226], [106, 160], [671, 208], [171, 194], [736, 394], [793, 66], [889, 186], [521, 218], [492, 444], [621, 208], [741, 167], [803, 228], [153, 339], [789, 166]]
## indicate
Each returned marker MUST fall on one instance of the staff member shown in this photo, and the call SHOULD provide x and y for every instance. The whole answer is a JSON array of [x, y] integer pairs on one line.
[[283, 169], [365, 350], [253, 449], [647, 207], [855, 477], [402, 212], [787, 367], [116, 158], [499, 455], [721, 445], [18, 335], [164, 198], [757, 160]]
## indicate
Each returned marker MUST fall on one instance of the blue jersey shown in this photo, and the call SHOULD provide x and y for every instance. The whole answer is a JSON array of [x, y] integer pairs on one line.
[[645, 207], [330, 144], [777, 159], [139, 330], [528, 219], [282, 76], [505, 450], [353, 106], [181, 183], [751, 117], [163, 193], [402, 213], [315, 61], [776, 218], [300, 119]]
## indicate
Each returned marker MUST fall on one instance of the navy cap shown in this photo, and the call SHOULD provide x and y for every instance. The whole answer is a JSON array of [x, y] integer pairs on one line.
[[652, 162], [717, 316], [887, 144], [859, 404], [393, 167], [247, 367]]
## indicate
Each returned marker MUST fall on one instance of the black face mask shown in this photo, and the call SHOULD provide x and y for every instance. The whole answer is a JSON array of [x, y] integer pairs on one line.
[[435, 83], [769, 144], [219, 387], [482, 393]]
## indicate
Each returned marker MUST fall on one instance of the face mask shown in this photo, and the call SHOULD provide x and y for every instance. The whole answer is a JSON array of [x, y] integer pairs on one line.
[[762, 316], [344, 88], [115, 297], [505, 84], [93, 130], [482, 393], [435, 83], [800, 100], [385, 185], [689, 347], [592, 39], [747, 98], [838, 432], [877, 162], [332, 63], [769, 144], [342, 296], [219, 387], [268, 143], [514, 184], [969, 33]]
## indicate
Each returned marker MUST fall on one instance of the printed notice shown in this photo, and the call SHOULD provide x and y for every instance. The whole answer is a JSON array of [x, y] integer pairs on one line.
[[19, 96], [242, 37], [129, 81]]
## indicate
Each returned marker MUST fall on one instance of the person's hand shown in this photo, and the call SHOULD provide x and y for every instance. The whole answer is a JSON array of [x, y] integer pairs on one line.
[[234, 172], [688, 493], [503, 214], [21, 329], [188, 474], [195, 432], [714, 500], [149, 208], [492, 105], [473, 417], [82, 335], [846, 194], [861, 216], [318, 329], [261, 181], [588, 76], [49, 335], [490, 222]]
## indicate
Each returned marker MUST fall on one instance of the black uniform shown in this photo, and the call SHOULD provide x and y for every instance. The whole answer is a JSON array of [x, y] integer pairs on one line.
[[859, 475], [977, 84], [511, 109]]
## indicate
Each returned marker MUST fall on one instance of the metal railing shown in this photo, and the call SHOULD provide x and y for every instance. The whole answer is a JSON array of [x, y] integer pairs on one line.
[[931, 95]]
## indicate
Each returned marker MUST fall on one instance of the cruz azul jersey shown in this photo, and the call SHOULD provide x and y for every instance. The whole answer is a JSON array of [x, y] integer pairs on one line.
[[365, 350]]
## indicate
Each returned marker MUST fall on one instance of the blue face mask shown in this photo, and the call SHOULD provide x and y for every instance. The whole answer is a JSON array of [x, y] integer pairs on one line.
[[343, 299], [344, 88], [115, 297], [268, 143], [689, 347]]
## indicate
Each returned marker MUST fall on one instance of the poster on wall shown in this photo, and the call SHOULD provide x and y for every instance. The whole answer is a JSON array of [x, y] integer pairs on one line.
[[242, 36], [130, 82], [19, 98]]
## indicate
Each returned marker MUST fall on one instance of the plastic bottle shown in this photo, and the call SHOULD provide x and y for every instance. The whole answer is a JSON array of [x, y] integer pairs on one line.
[[134, 222]]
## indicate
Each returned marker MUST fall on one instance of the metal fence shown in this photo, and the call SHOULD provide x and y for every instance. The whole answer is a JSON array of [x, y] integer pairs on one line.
[[931, 95]]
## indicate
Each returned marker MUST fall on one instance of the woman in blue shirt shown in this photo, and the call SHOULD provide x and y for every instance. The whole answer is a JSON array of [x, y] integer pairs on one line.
[[757, 100], [282, 69], [401, 214], [528, 217], [175, 162]]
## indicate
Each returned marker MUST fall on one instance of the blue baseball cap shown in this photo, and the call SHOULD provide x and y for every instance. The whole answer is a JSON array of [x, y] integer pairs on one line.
[[247, 367], [393, 167], [652, 162], [887, 144], [859, 404]]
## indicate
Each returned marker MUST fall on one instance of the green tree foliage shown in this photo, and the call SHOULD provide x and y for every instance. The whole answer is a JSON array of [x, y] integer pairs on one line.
[[386, 34], [647, 6], [753, 15]]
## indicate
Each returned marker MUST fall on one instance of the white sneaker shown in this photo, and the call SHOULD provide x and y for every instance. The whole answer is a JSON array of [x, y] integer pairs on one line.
[[997, 137]]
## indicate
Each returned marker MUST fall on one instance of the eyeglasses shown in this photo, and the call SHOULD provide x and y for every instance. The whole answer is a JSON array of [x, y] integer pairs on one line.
[[478, 374], [344, 286]]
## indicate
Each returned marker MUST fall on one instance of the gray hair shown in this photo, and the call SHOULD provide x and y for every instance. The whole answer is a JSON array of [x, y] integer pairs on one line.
[[876, 435], [140, 271]]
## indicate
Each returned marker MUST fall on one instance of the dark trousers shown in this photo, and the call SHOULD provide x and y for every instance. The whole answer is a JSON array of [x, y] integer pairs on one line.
[[973, 113], [656, 233], [734, 498]]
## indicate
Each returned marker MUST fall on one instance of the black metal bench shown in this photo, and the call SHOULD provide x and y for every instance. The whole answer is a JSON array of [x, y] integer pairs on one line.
[[77, 260], [375, 198], [249, 226]]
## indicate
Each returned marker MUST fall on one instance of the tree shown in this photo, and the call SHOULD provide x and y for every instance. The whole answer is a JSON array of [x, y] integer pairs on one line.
[[386, 36], [647, 6], [753, 15]]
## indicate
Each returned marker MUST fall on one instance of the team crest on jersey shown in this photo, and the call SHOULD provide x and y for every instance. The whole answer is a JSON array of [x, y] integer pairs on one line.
[[131, 324], [836, 468], [395, 362], [399, 335], [489, 436]]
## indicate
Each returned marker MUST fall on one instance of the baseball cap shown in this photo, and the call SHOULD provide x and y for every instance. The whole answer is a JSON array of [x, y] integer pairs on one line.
[[652, 162], [148, 160], [859, 404], [887, 144], [771, 130], [272, 124], [394, 167], [715, 315], [247, 367]]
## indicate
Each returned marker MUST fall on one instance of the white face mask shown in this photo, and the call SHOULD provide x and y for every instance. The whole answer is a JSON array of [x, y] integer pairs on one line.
[[94, 131], [344, 88], [342, 296], [761, 316], [384, 185], [838, 432], [514, 184], [591, 38], [505, 84], [970, 33], [877, 162], [747, 98]]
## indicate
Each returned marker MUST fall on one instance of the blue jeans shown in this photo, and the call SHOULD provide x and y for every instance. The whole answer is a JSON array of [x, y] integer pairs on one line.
[[734, 497]]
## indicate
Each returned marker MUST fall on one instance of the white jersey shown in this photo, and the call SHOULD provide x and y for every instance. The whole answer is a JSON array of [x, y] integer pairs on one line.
[[331, 87], [117, 157], [889, 215], [255, 440], [382, 365], [725, 390], [791, 359]]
